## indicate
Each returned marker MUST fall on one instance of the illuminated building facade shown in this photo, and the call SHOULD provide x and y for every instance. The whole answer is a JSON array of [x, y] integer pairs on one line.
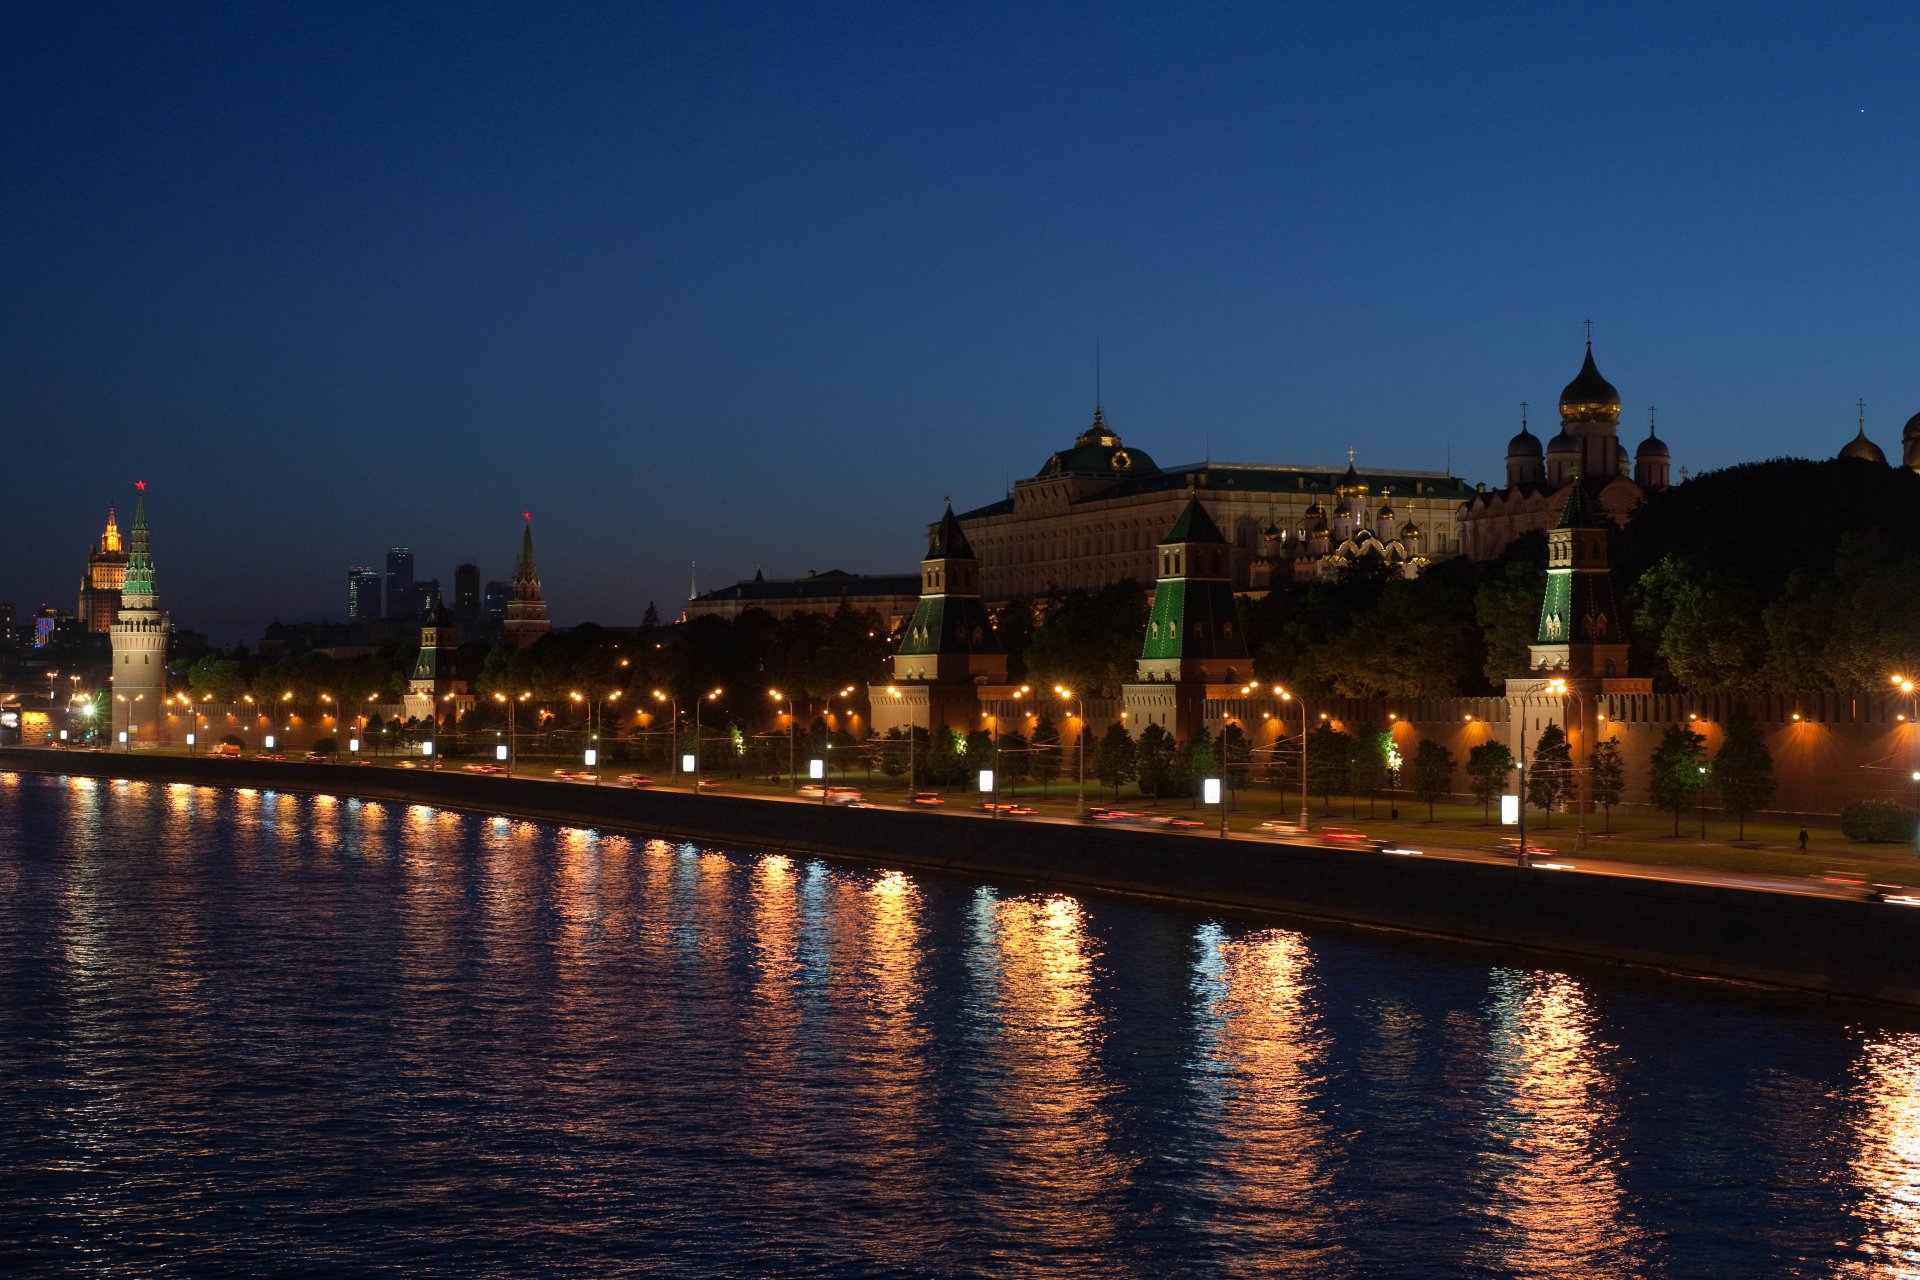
[[1094, 513], [106, 574]]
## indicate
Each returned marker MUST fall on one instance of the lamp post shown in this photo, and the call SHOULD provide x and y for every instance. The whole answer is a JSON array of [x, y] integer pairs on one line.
[[793, 783], [1306, 818], [1569, 694], [673, 731], [1080, 740], [712, 696]]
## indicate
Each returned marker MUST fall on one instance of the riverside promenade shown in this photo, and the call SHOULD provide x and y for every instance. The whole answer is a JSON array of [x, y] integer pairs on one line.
[[1746, 929]]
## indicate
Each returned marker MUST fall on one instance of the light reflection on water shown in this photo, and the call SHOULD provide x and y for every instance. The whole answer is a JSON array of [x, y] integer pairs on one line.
[[431, 1042]]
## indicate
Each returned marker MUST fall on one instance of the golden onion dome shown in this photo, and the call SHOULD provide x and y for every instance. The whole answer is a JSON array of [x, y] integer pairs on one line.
[[1589, 397]]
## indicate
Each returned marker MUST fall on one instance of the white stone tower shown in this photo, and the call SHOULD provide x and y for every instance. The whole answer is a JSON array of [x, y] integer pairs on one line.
[[139, 643]]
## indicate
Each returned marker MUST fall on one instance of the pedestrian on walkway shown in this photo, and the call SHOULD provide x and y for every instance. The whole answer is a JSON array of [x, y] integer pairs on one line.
[[1803, 839]]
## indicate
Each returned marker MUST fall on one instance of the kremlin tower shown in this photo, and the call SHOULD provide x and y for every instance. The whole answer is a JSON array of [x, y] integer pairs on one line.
[[526, 618], [139, 643]]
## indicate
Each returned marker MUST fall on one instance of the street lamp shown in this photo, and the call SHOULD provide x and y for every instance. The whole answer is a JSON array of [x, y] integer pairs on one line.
[[792, 781], [1306, 818], [673, 731], [1080, 739], [712, 696]]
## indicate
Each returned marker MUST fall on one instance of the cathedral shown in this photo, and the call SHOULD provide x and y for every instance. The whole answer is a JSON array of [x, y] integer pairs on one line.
[[1866, 450], [1587, 451], [106, 574]]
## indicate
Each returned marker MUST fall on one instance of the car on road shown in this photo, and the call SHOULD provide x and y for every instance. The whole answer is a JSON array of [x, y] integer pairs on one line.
[[1176, 820], [318, 757], [846, 796], [925, 798], [481, 768], [573, 775], [1283, 828], [1102, 813], [1009, 809], [268, 755], [1348, 838], [636, 779], [811, 790], [708, 784]]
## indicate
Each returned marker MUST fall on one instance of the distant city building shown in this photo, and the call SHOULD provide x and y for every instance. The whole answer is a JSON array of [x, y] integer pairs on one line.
[[6, 623], [526, 619], [1094, 514], [893, 596], [139, 643], [426, 597], [363, 594], [1586, 452], [400, 583], [100, 586], [466, 597], [493, 606]]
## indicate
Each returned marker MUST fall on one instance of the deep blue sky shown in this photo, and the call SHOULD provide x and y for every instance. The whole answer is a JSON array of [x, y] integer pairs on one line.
[[758, 286]]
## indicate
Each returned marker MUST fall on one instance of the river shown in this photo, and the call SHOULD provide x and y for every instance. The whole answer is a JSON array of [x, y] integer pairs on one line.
[[254, 1033]]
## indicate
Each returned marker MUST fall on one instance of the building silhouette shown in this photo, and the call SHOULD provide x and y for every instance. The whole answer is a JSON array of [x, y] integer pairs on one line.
[[466, 598], [363, 594], [400, 583]]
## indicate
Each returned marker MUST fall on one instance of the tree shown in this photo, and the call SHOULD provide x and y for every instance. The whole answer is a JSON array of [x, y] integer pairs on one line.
[[1432, 773], [1487, 768], [1090, 640], [1677, 772], [946, 757], [1607, 775], [1045, 752], [216, 679], [1550, 778], [1153, 760], [893, 756], [1743, 770], [1236, 757], [1194, 761], [1113, 760], [1329, 763], [1507, 607], [1016, 761], [1371, 764]]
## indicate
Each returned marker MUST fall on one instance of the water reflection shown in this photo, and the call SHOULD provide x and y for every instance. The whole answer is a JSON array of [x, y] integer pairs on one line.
[[1555, 1199], [551, 1048], [1260, 1064], [1887, 1160]]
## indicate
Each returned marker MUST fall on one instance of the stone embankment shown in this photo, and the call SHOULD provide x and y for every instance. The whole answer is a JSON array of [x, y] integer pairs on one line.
[[1837, 947]]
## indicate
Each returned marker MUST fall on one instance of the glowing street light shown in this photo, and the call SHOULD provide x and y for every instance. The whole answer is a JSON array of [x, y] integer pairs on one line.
[[792, 781], [1080, 739], [1306, 817]]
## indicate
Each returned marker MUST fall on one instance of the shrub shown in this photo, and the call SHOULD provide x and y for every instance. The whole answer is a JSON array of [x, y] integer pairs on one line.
[[1878, 822]]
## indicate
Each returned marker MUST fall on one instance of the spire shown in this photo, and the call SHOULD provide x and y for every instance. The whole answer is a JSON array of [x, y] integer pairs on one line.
[[110, 538], [526, 571], [137, 592], [1194, 525], [949, 541], [1579, 512]]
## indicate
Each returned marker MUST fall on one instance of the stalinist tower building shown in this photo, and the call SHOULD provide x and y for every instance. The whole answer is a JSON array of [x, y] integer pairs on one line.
[[106, 572], [139, 643], [526, 612]]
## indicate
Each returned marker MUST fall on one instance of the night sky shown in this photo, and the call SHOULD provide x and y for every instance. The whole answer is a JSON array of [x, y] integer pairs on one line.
[[758, 286]]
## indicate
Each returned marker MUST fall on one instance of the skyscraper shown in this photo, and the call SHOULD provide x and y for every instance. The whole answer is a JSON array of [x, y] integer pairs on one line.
[[363, 594], [426, 597], [493, 606], [466, 598], [400, 583], [106, 571], [139, 643]]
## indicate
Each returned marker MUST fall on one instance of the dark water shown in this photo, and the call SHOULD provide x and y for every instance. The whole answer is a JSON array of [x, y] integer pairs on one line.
[[264, 1034]]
